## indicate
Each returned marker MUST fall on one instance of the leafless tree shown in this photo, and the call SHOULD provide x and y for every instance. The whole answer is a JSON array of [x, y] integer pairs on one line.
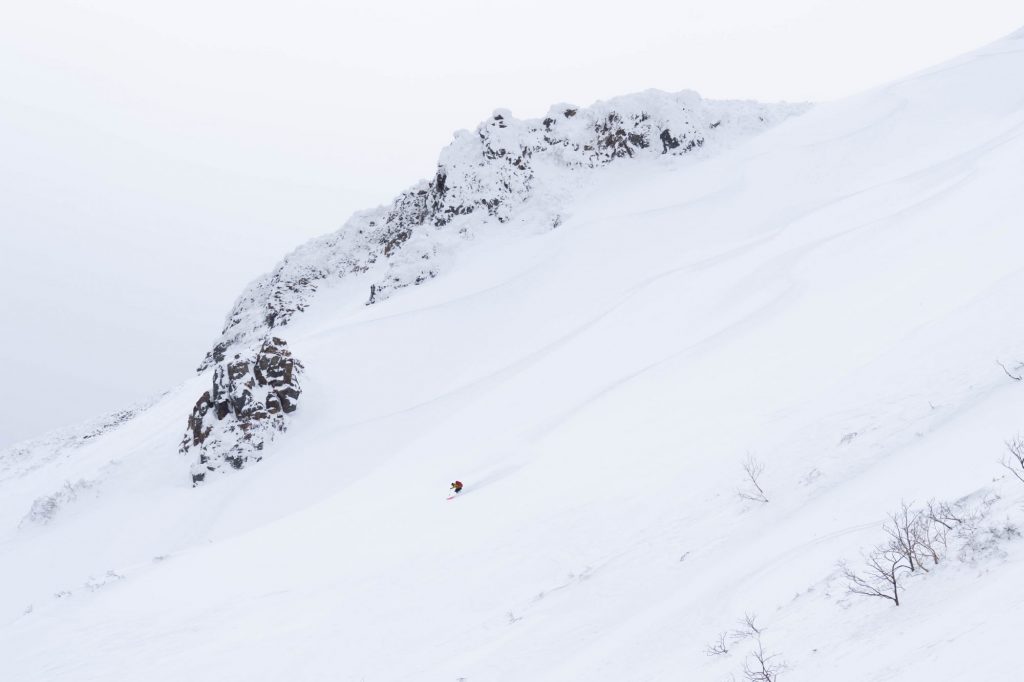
[[748, 628], [880, 577], [911, 534], [917, 538], [936, 541], [1014, 461], [902, 535], [753, 469], [945, 514], [749, 623], [932, 540], [945, 520], [761, 666], [719, 647]]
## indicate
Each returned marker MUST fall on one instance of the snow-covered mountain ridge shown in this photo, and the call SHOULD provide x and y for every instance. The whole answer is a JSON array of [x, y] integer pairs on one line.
[[694, 423], [506, 170], [487, 176]]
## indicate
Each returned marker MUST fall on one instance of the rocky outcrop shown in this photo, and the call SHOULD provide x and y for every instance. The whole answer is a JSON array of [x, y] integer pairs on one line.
[[246, 406], [484, 177]]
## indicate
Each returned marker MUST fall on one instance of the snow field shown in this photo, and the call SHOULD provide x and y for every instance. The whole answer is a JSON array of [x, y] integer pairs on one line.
[[830, 297]]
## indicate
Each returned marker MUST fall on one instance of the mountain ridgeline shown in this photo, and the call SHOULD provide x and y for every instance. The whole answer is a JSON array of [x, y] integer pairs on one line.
[[505, 170]]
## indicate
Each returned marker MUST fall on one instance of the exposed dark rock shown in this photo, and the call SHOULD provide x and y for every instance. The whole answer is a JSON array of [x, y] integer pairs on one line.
[[244, 409], [667, 141]]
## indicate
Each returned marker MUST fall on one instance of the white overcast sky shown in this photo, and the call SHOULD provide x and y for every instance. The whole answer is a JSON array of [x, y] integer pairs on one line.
[[156, 156]]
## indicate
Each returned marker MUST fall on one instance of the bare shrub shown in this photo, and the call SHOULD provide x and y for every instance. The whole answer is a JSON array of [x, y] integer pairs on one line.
[[753, 468], [1014, 460], [761, 666], [880, 576], [945, 514], [916, 538], [748, 628], [919, 538], [980, 538], [915, 534], [720, 646], [932, 542], [903, 534]]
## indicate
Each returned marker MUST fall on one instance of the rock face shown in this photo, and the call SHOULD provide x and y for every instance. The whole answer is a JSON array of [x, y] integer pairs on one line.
[[505, 170], [485, 177], [244, 409]]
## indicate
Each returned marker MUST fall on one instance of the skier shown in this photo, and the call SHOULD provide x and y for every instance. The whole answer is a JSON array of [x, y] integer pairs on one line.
[[457, 486]]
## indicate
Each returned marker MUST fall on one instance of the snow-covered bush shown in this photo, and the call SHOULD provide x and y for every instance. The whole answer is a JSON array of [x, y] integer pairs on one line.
[[45, 508]]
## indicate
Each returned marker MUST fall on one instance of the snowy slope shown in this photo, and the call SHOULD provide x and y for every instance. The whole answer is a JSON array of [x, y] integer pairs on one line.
[[829, 296], [507, 170]]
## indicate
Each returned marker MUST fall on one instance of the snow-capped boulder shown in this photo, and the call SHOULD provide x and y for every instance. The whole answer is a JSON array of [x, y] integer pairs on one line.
[[245, 407], [485, 177]]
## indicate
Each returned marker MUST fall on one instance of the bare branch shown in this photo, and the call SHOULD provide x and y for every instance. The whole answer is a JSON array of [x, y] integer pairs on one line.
[[944, 514], [881, 574], [750, 624], [761, 666], [748, 628], [909, 532], [753, 468], [1014, 461], [1015, 377], [857, 584], [719, 647], [930, 539]]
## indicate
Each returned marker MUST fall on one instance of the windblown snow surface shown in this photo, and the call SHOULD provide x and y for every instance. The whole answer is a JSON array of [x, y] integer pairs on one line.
[[829, 297]]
